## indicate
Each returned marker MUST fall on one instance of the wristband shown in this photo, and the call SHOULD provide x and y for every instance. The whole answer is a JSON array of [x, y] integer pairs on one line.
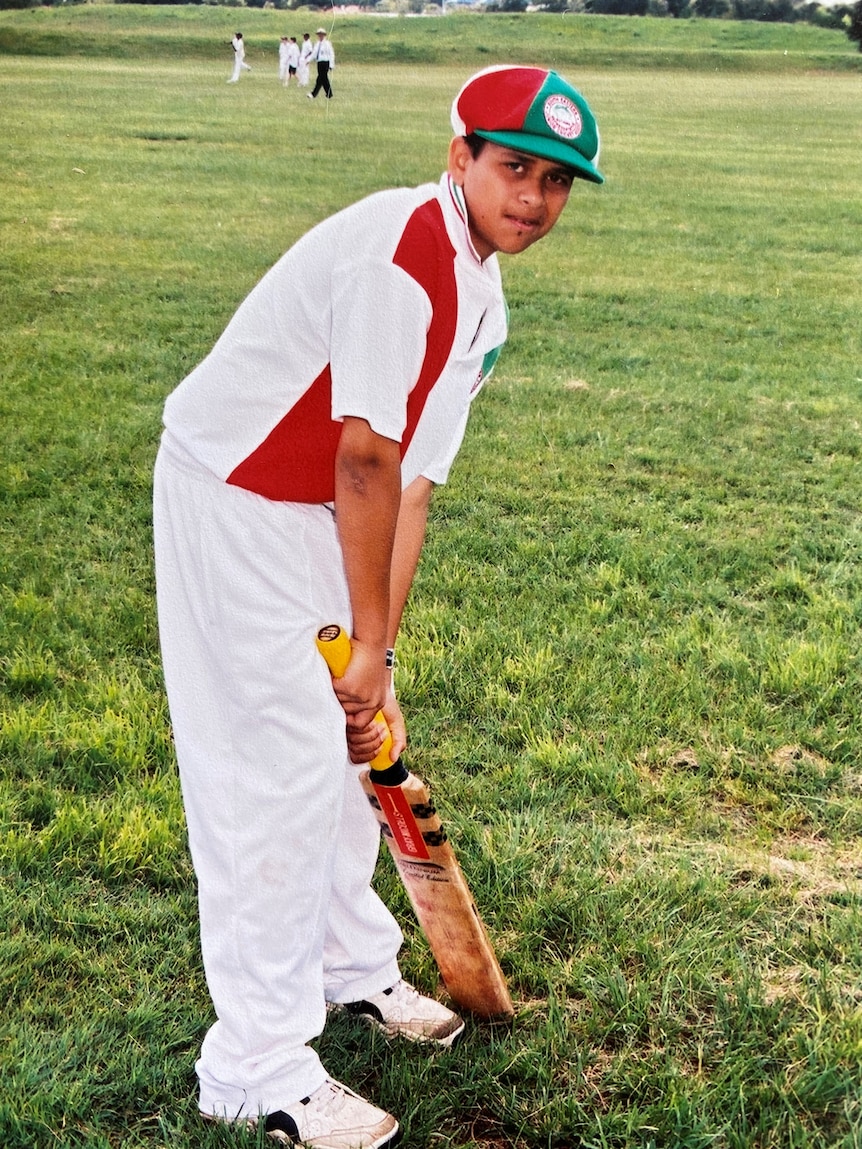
[[390, 659]]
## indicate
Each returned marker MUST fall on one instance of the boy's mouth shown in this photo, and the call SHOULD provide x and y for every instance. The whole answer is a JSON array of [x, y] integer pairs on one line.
[[524, 223]]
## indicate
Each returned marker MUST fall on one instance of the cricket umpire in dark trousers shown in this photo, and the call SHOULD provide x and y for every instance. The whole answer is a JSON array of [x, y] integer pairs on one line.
[[324, 54]]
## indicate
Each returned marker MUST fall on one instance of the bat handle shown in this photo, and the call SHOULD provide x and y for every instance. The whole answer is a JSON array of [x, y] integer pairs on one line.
[[334, 644]]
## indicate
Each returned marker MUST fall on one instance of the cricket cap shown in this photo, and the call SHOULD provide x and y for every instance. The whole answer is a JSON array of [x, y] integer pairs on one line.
[[531, 110]]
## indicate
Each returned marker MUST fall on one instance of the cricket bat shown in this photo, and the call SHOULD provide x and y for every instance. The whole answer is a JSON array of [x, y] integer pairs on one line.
[[428, 868]]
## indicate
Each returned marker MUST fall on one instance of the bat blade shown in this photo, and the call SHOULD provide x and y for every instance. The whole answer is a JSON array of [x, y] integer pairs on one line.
[[440, 896], [429, 870]]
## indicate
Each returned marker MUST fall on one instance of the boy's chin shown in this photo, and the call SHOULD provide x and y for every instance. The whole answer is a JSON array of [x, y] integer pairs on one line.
[[518, 244]]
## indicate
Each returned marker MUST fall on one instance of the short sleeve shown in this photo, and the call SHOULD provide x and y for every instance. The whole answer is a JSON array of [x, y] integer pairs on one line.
[[437, 471], [380, 321]]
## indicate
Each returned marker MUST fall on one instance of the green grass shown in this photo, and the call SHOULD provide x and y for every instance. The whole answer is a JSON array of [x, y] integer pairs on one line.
[[631, 661]]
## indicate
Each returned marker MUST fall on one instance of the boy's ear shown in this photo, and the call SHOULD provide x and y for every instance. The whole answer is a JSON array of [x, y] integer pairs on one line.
[[459, 157]]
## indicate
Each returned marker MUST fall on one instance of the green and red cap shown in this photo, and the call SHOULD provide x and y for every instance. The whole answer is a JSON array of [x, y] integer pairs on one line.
[[531, 110]]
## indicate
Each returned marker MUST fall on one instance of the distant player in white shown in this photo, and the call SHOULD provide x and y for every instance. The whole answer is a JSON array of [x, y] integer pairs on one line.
[[283, 49], [306, 48], [239, 64], [292, 59]]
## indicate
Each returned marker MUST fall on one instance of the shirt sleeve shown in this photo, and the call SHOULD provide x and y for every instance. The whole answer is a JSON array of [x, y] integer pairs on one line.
[[437, 471], [380, 321]]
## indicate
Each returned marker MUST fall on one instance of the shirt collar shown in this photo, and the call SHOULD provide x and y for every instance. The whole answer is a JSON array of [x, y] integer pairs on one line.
[[455, 214]]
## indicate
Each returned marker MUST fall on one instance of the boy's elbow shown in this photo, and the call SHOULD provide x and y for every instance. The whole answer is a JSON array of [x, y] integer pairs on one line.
[[365, 458]]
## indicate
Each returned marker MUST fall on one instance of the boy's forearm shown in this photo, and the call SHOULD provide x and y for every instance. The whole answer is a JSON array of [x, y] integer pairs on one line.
[[367, 501], [409, 538]]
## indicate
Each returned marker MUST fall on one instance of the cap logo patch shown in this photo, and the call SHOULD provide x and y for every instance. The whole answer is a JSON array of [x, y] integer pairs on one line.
[[562, 117]]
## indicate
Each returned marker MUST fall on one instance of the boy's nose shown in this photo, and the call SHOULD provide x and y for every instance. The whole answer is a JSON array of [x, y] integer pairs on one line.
[[531, 191]]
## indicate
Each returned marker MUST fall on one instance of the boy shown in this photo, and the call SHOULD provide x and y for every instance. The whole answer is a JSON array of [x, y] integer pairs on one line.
[[291, 491]]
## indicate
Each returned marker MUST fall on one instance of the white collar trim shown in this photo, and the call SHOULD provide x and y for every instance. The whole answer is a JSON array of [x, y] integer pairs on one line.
[[456, 198]]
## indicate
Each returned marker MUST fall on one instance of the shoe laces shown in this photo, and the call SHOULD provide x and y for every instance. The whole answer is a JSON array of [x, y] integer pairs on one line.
[[323, 1111]]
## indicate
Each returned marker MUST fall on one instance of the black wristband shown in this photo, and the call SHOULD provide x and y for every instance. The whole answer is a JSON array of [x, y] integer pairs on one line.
[[390, 659]]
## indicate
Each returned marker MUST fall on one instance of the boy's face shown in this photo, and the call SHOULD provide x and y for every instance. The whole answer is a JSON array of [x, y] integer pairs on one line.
[[513, 199]]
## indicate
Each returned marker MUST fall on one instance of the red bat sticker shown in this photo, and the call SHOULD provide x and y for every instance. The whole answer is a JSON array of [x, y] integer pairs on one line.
[[396, 808]]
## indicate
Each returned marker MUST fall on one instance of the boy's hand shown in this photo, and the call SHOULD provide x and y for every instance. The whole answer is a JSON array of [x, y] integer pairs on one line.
[[363, 745], [364, 687]]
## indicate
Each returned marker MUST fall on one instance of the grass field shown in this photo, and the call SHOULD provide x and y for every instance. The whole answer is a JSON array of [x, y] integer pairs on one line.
[[631, 661], [609, 42]]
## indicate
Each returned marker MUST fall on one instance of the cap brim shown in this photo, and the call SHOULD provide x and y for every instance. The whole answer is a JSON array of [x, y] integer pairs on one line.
[[555, 150]]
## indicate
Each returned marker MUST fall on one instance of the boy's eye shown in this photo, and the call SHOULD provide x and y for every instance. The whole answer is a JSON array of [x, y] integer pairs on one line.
[[560, 179]]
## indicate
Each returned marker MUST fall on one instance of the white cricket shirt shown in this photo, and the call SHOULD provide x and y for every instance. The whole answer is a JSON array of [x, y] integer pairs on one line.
[[383, 312]]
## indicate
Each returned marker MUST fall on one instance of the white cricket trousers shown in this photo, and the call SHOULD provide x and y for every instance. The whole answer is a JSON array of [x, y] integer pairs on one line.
[[282, 838], [239, 66]]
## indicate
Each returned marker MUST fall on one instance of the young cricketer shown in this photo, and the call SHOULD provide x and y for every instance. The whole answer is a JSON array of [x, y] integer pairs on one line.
[[291, 491]]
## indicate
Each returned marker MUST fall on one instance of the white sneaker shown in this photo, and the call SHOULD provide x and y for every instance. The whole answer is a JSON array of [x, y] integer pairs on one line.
[[401, 1011], [333, 1117]]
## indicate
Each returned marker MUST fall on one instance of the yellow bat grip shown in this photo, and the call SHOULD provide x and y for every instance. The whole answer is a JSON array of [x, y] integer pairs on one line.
[[334, 644]]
